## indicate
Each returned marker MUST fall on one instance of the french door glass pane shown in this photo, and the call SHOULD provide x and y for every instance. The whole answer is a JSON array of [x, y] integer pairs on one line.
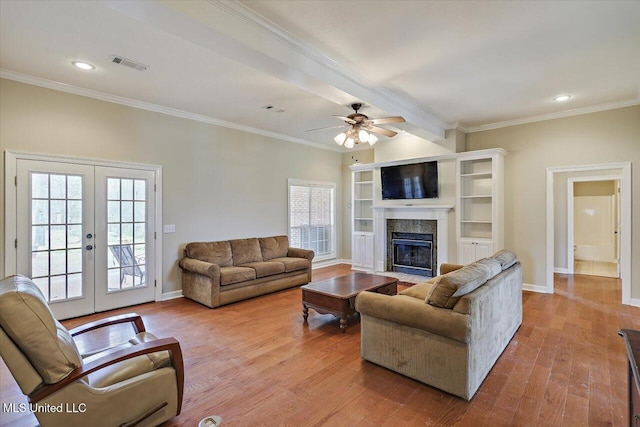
[[126, 224], [56, 235]]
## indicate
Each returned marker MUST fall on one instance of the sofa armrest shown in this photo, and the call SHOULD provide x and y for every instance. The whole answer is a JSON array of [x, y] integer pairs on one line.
[[301, 253], [200, 267], [414, 312], [448, 268]]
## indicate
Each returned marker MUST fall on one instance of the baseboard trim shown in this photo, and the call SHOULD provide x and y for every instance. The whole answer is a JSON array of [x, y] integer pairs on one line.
[[171, 295], [634, 302], [561, 270], [329, 263], [535, 288]]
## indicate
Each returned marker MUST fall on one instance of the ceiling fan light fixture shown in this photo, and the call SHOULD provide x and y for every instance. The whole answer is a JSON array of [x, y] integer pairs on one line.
[[363, 135], [340, 138], [349, 143], [372, 139]]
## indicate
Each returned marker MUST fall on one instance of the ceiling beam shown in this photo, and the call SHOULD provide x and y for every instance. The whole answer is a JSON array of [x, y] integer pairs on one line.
[[232, 30]]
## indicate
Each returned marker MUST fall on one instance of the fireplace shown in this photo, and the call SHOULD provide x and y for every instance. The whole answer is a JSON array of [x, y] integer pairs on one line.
[[423, 219], [412, 253]]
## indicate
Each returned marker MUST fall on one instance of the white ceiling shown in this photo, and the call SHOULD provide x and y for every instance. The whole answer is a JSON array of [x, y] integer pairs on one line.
[[439, 64]]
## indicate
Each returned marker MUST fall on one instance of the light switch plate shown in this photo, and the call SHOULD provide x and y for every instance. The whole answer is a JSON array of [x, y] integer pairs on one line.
[[169, 228]]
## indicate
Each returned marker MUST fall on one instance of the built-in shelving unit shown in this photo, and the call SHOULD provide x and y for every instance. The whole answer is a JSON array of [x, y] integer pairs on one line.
[[480, 206], [362, 219]]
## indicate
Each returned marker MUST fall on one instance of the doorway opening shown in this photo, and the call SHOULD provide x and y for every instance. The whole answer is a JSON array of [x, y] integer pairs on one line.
[[557, 220], [593, 226]]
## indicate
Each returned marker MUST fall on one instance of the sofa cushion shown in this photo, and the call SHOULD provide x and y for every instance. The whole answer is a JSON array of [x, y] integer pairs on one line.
[[230, 275], [265, 268], [213, 252], [451, 286], [245, 250], [421, 290], [293, 264], [274, 247], [505, 258]]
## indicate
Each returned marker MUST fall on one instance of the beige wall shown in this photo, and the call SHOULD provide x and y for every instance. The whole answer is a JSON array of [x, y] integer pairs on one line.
[[218, 183], [596, 138]]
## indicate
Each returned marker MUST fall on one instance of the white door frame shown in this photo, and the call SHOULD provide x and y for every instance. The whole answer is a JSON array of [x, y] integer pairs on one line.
[[570, 211], [10, 203], [625, 216]]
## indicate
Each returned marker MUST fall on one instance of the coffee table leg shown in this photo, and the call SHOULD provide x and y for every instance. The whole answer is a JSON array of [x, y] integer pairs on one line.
[[343, 323], [305, 312]]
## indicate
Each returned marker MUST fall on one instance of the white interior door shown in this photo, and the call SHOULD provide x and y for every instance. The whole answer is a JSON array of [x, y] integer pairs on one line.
[[55, 233], [85, 234], [124, 237]]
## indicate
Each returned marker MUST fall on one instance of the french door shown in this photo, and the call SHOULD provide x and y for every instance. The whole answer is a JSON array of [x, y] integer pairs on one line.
[[85, 234]]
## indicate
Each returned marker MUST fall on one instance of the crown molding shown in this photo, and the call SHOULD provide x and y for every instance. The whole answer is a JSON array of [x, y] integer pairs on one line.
[[558, 115], [115, 99]]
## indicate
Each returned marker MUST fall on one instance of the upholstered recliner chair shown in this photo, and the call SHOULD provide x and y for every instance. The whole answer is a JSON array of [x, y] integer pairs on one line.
[[136, 383]]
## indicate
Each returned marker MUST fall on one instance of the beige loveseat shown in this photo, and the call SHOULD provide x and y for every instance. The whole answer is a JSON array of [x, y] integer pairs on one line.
[[449, 331], [219, 273]]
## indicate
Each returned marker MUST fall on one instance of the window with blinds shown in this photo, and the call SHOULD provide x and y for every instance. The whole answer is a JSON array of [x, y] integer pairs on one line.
[[312, 217]]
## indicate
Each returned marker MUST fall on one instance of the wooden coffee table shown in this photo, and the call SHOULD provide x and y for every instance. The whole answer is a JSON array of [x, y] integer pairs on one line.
[[337, 296]]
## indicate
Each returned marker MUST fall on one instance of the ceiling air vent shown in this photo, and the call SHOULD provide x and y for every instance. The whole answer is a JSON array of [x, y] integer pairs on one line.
[[128, 63]]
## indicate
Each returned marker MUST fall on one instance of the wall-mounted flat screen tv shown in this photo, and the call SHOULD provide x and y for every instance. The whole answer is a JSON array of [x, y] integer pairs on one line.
[[412, 181]]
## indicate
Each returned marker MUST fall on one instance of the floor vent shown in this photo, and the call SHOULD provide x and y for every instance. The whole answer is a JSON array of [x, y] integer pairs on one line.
[[128, 63]]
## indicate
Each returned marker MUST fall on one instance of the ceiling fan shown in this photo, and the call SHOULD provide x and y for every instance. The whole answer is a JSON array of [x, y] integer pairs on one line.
[[362, 128]]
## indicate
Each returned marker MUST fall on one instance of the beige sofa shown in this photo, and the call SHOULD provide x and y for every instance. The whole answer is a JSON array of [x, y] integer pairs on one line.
[[447, 332], [219, 273]]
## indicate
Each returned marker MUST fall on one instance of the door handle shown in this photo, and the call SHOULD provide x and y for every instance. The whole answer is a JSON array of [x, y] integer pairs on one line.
[[89, 247]]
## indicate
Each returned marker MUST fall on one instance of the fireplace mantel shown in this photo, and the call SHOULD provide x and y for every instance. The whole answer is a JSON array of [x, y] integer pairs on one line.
[[439, 213]]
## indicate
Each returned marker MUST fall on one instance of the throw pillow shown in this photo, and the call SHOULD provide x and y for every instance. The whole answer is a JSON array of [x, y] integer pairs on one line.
[[505, 258], [492, 264], [451, 286]]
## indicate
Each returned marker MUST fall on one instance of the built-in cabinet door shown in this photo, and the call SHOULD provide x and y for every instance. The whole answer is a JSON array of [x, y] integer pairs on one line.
[[362, 251], [473, 250], [483, 250]]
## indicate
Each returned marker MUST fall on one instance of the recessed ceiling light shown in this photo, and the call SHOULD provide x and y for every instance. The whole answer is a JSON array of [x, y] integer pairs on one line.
[[83, 65], [561, 98]]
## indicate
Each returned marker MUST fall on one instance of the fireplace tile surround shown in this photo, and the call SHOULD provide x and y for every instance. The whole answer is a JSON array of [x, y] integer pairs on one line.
[[419, 226], [432, 219]]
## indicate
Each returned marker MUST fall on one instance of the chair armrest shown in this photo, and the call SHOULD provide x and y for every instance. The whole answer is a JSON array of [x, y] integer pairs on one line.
[[165, 344], [134, 318], [301, 253], [448, 268], [200, 267]]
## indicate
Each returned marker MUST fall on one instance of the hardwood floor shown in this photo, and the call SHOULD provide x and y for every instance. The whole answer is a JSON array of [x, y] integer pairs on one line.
[[255, 363]]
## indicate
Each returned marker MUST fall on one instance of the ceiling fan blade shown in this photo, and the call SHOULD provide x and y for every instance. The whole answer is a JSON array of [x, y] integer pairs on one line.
[[381, 131], [346, 119], [328, 127], [383, 120]]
